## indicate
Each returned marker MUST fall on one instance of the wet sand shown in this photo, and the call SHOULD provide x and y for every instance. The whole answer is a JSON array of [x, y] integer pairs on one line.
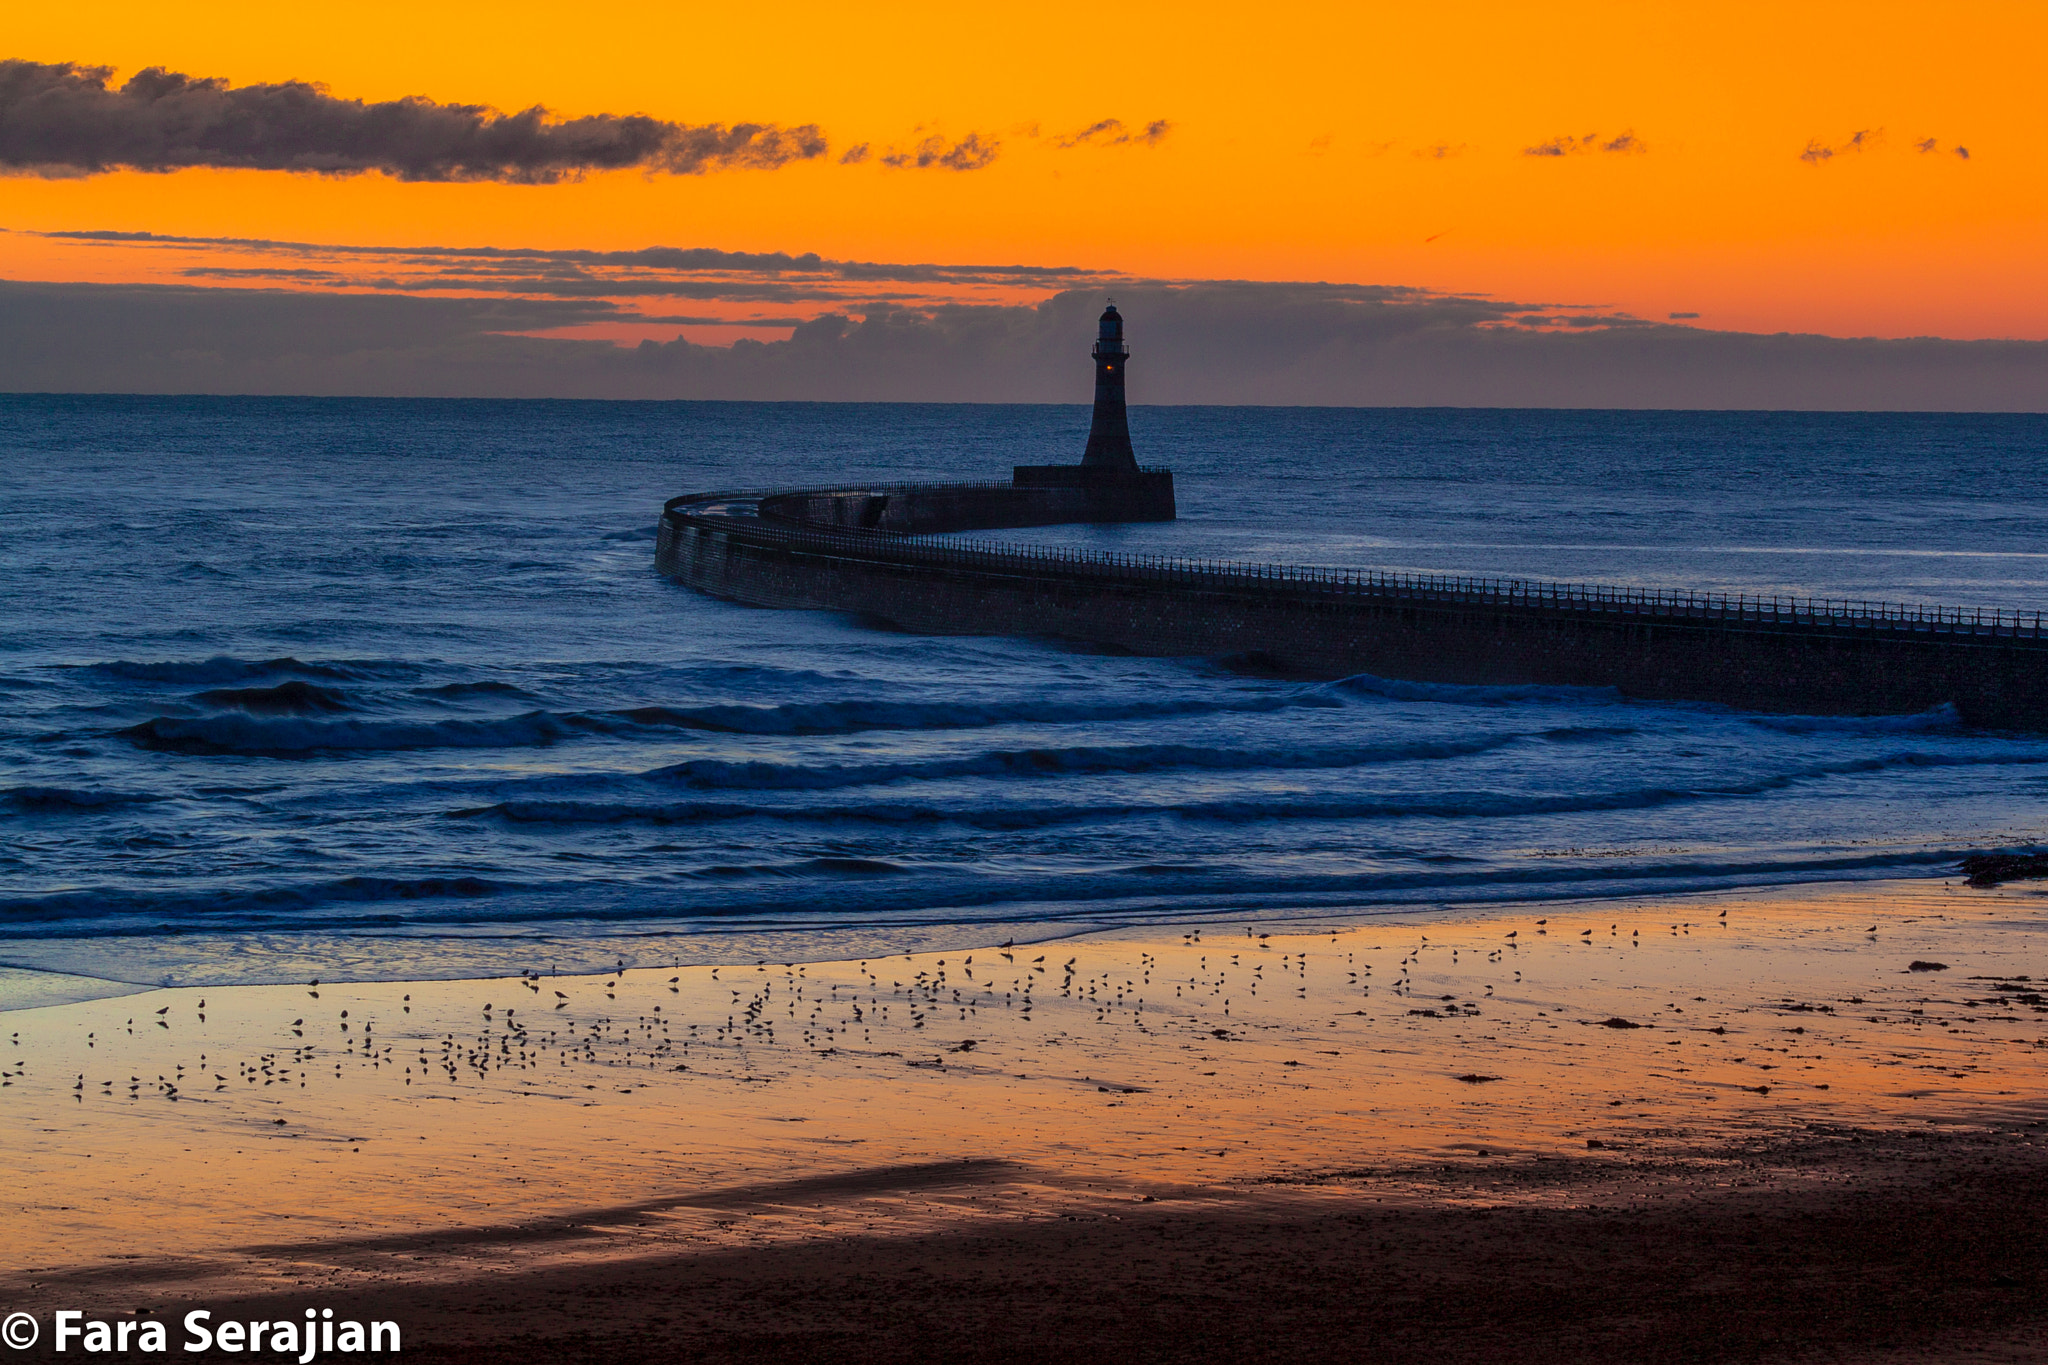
[[1416, 1133]]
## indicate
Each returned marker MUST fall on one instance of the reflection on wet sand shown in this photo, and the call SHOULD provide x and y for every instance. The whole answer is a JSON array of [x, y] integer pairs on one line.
[[256, 1138]]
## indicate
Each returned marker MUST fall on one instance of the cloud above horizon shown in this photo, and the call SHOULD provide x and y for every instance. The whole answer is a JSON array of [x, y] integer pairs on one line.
[[1200, 343], [1621, 144], [65, 119], [702, 274], [1111, 132], [935, 152]]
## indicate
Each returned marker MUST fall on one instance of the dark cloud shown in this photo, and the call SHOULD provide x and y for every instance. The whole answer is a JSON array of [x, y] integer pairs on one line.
[[1213, 342], [577, 286], [261, 272], [1928, 145], [1108, 129], [854, 155], [696, 320], [64, 119], [1111, 132], [1621, 144], [259, 340], [451, 266], [970, 153]]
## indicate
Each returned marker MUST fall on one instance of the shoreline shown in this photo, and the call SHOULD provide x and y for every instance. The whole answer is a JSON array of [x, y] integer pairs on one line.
[[422, 1142], [337, 956]]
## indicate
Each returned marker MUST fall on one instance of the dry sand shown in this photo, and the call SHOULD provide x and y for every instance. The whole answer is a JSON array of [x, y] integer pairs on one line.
[[1398, 1135]]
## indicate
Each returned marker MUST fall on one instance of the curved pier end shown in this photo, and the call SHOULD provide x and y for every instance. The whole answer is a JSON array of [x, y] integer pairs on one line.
[[1779, 655], [870, 551], [1039, 495]]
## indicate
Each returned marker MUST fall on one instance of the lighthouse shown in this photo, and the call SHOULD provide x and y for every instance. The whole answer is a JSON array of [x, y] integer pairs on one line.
[[1107, 485], [1109, 435]]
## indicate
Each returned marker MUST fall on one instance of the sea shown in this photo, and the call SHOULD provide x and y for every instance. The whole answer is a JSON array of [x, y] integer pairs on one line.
[[390, 689]]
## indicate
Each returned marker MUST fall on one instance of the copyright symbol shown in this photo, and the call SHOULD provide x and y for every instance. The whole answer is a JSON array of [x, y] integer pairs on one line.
[[19, 1331]]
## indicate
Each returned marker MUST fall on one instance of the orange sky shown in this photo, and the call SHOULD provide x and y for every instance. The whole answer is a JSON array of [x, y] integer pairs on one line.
[[1303, 144]]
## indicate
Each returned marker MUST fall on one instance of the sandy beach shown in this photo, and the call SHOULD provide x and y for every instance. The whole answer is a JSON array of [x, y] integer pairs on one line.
[[1704, 1128]]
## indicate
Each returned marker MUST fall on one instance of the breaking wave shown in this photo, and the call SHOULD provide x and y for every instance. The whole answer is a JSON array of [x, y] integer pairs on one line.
[[1934, 720], [256, 736], [246, 906], [1087, 760], [1014, 814], [294, 698], [1458, 694], [854, 716]]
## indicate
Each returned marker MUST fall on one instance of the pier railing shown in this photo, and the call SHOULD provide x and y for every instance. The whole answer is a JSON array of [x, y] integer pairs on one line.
[[1675, 605]]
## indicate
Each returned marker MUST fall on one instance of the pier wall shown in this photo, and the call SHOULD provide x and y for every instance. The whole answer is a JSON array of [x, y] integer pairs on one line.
[[1339, 625], [1050, 495]]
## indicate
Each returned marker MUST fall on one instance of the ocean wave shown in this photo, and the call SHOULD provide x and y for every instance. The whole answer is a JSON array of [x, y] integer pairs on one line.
[[53, 800], [809, 867], [277, 734], [1588, 734], [1016, 815], [299, 716], [473, 689], [295, 697], [223, 668], [1940, 718], [1074, 761], [1456, 694], [244, 905], [853, 716], [1011, 816], [1936, 719], [259, 736], [872, 897]]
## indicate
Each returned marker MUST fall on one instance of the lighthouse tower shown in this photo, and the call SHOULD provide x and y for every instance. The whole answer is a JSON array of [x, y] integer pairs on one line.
[[1107, 485], [1109, 435]]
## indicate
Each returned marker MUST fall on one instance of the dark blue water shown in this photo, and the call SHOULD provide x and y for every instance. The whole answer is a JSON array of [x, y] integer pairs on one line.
[[386, 688]]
